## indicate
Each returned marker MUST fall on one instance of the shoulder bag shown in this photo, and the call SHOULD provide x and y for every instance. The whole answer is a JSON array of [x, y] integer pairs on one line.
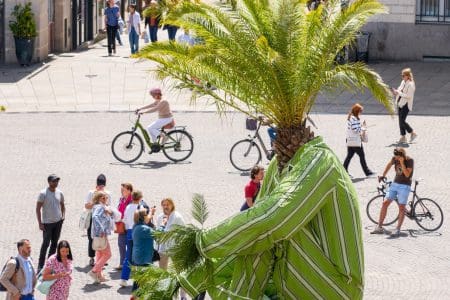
[[99, 243], [44, 286], [85, 219]]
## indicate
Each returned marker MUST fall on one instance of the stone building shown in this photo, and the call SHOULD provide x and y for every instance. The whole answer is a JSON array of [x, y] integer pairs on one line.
[[62, 25], [412, 30]]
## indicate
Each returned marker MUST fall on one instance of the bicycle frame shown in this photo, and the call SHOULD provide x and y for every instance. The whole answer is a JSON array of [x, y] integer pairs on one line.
[[415, 197], [144, 132], [258, 137]]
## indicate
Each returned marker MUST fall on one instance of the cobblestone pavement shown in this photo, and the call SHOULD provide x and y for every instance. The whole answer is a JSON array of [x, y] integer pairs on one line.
[[76, 146]]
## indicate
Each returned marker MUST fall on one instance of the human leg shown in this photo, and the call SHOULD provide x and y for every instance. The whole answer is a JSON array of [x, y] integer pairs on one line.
[[118, 37], [56, 233], [404, 126], [350, 152], [362, 160], [153, 33], [153, 128], [136, 42], [163, 261], [46, 238], [126, 271], [110, 37], [403, 191], [91, 252], [102, 256], [122, 243], [172, 32]]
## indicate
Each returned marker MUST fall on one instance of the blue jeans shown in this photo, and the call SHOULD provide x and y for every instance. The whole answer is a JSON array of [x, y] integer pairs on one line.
[[400, 192], [118, 37], [172, 32], [134, 40], [122, 243], [153, 33], [126, 270], [27, 297]]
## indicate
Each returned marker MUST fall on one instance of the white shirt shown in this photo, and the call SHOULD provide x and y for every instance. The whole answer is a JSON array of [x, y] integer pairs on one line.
[[175, 218], [128, 216], [406, 91], [27, 266], [134, 20]]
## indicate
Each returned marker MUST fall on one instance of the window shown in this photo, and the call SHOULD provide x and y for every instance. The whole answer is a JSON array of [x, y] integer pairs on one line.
[[433, 11]]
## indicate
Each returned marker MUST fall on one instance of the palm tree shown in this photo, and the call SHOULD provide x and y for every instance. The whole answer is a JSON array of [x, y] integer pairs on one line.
[[270, 57]]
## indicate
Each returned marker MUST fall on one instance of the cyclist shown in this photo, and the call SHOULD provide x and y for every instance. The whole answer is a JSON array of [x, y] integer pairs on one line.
[[399, 189], [164, 113]]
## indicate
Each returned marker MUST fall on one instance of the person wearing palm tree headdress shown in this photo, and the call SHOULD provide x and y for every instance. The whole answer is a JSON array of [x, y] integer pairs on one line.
[[302, 239]]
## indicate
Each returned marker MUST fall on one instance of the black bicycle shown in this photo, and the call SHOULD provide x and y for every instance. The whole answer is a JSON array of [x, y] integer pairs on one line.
[[174, 141], [426, 212], [246, 153]]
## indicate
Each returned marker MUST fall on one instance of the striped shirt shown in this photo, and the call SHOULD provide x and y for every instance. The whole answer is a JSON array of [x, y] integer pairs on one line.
[[354, 125], [301, 240]]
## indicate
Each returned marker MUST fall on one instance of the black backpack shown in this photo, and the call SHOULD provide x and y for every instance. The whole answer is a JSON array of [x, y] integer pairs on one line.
[[2, 288]]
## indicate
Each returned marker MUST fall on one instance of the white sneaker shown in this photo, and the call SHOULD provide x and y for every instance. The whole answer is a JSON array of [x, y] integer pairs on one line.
[[93, 276], [413, 137], [123, 282], [402, 140]]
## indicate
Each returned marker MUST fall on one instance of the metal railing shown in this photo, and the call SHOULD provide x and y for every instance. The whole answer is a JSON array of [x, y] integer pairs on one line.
[[433, 11]]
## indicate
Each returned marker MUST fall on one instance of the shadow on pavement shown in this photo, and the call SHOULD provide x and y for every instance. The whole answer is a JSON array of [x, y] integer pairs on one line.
[[114, 275], [83, 269], [124, 290], [93, 287], [15, 73], [415, 233], [355, 180], [403, 145]]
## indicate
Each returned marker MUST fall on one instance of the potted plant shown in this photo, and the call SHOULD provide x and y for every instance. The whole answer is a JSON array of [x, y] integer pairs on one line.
[[23, 27]]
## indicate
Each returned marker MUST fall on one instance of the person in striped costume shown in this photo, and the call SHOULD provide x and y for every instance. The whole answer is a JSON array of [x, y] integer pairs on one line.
[[301, 240]]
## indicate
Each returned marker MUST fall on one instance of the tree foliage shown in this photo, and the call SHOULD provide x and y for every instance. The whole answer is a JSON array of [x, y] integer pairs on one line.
[[24, 24]]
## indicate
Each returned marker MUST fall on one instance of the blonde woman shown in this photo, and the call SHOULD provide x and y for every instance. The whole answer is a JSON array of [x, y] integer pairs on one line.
[[404, 97], [102, 223]]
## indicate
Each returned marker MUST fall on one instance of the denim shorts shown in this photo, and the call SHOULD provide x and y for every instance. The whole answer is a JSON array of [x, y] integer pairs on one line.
[[400, 192]]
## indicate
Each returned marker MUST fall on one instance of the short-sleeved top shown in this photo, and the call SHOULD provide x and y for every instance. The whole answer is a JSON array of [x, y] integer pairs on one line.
[[399, 176], [142, 252], [128, 217], [111, 14], [51, 205], [251, 191]]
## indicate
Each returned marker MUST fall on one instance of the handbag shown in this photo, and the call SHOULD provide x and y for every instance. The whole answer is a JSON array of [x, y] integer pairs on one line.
[[99, 243], [364, 136], [85, 219], [44, 286], [120, 228]]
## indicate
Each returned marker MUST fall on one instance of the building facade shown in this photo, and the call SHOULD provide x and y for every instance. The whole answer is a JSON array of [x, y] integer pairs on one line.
[[62, 26], [412, 30]]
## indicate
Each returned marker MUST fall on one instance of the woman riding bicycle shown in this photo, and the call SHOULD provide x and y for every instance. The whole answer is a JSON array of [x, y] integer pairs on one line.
[[164, 113]]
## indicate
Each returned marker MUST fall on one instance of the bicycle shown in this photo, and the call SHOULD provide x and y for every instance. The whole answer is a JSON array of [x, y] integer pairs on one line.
[[175, 142], [426, 212], [246, 153]]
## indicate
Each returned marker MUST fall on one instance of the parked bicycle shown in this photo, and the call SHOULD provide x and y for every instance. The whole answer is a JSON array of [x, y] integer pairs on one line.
[[426, 212], [246, 153], [174, 141]]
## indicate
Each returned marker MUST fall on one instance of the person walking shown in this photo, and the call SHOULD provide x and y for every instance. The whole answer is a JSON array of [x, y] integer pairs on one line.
[[354, 142], [152, 20], [134, 28], [102, 222], [164, 113], [88, 204], [252, 188], [59, 267], [128, 219], [51, 203], [399, 189], [142, 252], [112, 15], [404, 97], [18, 277], [126, 190]]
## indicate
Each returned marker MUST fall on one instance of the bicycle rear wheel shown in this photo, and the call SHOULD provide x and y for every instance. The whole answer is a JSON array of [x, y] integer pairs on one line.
[[245, 154], [373, 211], [428, 214], [178, 145], [127, 146]]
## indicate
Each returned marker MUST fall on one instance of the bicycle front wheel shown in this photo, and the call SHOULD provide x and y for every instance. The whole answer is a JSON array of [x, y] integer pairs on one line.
[[178, 145], [245, 154], [428, 214], [373, 210], [127, 146]]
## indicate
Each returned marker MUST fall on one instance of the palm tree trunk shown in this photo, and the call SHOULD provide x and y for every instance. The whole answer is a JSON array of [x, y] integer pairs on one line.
[[288, 141]]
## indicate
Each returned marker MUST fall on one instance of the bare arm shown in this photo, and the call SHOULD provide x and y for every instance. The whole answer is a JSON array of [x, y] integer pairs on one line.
[[63, 210], [38, 215], [406, 171], [388, 167], [249, 201], [146, 107]]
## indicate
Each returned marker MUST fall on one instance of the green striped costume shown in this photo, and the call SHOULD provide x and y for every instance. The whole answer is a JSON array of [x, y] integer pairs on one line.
[[301, 240]]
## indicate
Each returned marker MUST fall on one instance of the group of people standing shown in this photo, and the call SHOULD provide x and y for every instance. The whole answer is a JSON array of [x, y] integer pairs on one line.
[[131, 219], [152, 22]]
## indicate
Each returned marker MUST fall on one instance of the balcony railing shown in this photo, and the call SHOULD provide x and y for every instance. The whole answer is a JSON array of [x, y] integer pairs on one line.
[[433, 11]]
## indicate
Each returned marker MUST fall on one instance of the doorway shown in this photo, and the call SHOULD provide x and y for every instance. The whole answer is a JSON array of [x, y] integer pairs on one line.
[[2, 31]]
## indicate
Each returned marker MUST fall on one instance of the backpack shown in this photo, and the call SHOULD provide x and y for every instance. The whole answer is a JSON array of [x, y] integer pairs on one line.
[[2, 287]]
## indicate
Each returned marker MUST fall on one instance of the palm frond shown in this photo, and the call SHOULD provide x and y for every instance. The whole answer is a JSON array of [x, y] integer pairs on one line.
[[199, 209], [155, 283]]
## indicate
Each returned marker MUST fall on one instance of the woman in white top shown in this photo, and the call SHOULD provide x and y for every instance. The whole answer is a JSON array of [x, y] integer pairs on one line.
[[134, 28], [354, 143], [404, 97]]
